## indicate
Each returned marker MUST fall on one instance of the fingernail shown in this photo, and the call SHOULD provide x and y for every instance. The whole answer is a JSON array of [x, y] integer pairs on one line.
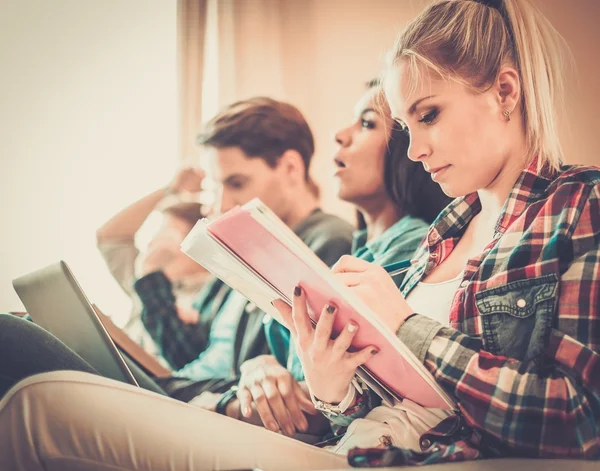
[[330, 309], [247, 411], [297, 291], [289, 431], [374, 351], [272, 426], [352, 327]]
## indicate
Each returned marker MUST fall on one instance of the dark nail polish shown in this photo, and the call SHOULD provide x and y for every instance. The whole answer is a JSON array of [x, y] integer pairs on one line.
[[330, 309], [374, 351], [297, 291]]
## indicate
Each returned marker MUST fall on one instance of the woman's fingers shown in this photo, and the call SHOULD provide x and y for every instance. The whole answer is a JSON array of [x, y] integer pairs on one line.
[[324, 327], [350, 264], [302, 323], [344, 340], [350, 279], [359, 358], [286, 313]]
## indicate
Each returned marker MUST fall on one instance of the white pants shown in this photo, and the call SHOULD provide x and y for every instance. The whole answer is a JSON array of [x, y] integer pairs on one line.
[[67, 421]]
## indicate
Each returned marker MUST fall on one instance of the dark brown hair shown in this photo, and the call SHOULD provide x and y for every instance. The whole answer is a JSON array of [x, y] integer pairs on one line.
[[406, 182], [261, 127]]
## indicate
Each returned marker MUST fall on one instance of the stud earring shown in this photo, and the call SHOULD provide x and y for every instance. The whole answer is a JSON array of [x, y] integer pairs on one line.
[[506, 114]]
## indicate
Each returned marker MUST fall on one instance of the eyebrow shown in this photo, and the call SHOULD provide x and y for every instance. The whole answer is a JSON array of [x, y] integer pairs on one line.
[[413, 108], [365, 111], [233, 177]]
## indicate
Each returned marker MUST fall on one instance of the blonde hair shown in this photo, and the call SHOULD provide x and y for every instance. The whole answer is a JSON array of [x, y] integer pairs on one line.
[[470, 41]]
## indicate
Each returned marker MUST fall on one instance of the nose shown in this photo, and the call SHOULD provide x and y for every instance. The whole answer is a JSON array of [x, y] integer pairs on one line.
[[223, 202], [343, 137], [417, 148]]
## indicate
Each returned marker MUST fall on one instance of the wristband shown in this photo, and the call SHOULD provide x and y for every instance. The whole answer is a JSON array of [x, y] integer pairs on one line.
[[225, 399]]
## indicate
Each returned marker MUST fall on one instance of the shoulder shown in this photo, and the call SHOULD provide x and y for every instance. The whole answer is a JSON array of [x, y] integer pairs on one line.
[[571, 177], [328, 236], [408, 231], [570, 192], [327, 226]]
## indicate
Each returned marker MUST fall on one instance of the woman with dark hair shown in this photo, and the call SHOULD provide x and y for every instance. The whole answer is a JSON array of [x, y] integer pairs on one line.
[[394, 196]]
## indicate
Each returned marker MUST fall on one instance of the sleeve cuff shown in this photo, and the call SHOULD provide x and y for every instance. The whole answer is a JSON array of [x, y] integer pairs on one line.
[[152, 283], [417, 333]]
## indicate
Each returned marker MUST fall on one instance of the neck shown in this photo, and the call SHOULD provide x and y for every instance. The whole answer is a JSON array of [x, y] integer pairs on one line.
[[304, 203], [380, 217], [494, 196]]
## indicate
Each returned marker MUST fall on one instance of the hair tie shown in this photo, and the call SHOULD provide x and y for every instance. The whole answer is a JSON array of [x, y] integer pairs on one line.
[[495, 4]]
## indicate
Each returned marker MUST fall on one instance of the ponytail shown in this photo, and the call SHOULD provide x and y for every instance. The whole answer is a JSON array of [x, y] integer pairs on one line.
[[471, 40]]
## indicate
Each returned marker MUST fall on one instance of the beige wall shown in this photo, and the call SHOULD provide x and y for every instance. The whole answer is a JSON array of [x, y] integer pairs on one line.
[[318, 54], [88, 123]]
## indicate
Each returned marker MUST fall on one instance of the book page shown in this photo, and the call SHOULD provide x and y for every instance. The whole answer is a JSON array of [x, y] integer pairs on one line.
[[225, 265]]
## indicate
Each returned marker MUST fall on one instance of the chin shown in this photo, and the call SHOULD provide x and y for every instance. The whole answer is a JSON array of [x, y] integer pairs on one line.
[[456, 189], [345, 195]]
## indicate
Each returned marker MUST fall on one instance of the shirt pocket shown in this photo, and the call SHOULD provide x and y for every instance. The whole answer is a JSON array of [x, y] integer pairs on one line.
[[517, 317]]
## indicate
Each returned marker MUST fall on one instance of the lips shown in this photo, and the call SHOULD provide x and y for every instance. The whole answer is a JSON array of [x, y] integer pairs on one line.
[[339, 163], [436, 169]]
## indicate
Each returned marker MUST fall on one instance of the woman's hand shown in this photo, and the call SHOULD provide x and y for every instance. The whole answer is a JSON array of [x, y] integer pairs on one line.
[[328, 367], [375, 287]]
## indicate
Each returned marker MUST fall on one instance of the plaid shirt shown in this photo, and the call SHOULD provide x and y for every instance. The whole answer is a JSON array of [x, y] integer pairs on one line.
[[521, 354], [179, 343]]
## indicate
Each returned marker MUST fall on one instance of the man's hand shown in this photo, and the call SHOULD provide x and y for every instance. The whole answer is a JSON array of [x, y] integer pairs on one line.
[[278, 398]]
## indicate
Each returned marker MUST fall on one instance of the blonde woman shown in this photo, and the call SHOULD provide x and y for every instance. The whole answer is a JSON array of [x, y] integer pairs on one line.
[[474, 83]]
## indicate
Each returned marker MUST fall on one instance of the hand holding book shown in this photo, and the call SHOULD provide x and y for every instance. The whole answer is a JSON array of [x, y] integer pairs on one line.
[[328, 366], [254, 252], [373, 285]]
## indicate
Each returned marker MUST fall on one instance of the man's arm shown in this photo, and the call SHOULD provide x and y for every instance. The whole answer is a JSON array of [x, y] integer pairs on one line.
[[124, 225]]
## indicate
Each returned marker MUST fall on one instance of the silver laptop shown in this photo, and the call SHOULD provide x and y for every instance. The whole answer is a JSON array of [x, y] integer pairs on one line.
[[56, 302]]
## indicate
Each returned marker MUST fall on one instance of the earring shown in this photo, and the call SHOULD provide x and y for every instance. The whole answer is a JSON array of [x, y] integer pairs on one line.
[[506, 114]]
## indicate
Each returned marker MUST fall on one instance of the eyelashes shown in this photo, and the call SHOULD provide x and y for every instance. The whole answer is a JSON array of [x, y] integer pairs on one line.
[[365, 123], [427, 118], [430, 117]]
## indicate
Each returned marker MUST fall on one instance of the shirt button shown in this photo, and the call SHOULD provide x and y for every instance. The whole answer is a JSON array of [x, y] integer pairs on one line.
[[521, 303], [425, 443], [434, 255], [464, 284]]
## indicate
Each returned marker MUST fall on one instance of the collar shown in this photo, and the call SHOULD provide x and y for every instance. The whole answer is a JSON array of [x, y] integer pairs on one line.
[[531, 184]]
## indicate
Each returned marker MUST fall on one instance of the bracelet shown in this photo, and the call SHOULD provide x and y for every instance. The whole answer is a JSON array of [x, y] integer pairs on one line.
[[338, 409], [225, 399]]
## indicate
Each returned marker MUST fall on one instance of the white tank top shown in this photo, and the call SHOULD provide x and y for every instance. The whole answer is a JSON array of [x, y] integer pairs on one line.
[[434, 299]]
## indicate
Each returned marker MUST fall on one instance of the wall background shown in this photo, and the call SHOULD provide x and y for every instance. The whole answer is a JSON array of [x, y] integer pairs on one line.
[[89, 117]]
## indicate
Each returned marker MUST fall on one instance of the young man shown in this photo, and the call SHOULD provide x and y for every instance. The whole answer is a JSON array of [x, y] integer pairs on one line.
[[256, 148]]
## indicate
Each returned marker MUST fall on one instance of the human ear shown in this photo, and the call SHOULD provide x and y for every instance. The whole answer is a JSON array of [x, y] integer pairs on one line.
[[508, 89]]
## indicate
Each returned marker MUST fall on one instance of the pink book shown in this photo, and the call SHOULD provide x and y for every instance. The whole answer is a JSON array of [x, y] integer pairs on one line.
[[264, 250]]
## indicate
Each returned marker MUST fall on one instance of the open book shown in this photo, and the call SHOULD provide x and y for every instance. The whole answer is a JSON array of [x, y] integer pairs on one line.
[[255, 253]]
